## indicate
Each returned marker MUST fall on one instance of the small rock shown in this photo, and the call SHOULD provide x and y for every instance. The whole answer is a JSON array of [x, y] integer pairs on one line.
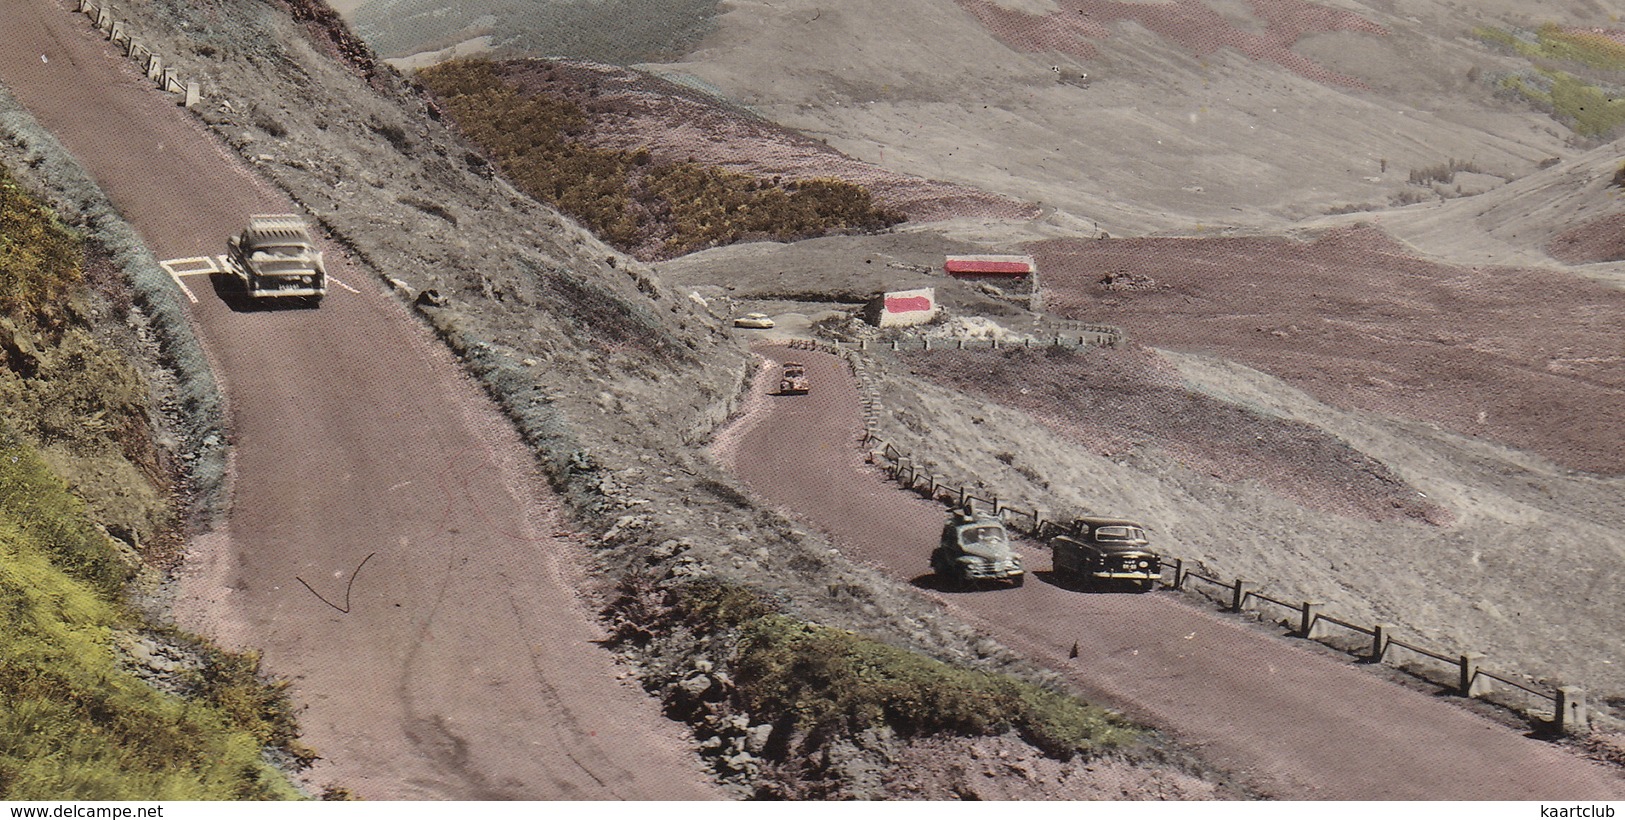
[[756, 738], [696, 686]]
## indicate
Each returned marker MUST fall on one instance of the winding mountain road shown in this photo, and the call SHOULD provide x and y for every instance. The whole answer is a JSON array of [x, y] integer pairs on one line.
[[441, 650], [1289, 722]]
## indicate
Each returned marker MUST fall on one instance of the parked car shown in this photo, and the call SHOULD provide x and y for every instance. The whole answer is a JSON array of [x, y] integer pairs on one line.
[[793, 381], [1110, 550], [757, 321], [975, 547]]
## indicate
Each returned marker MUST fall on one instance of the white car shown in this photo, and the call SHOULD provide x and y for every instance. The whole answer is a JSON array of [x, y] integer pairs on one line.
[[758, 321]]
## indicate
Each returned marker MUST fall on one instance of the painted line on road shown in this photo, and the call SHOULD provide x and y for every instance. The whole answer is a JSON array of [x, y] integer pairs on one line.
[[189, 266], [335, 280]]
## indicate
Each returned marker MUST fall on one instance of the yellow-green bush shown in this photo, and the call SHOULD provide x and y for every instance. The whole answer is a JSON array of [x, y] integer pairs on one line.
[[73, 724], [1590, 104]]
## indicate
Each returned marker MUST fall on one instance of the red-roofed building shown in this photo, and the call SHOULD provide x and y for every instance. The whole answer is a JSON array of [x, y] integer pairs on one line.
[[1010, 275], [990, 265]]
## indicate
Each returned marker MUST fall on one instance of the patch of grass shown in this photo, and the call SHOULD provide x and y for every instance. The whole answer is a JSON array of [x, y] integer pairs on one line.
[[708, 605], [73, 724], [1575, 76], [654, 209], [198, 403], [80, 401], [40, 261], [828, 682], [75, 451]]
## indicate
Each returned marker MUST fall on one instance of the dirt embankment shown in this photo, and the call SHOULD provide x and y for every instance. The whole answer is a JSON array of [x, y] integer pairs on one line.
[[1596, 240], [1527, 358], [1112, 401]]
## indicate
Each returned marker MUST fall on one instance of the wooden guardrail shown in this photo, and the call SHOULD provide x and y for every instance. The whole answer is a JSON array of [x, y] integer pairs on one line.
[[1568, 711], [119, 34]]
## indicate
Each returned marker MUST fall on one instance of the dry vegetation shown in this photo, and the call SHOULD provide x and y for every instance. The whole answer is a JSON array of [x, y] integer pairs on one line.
[[1576, 76], [652, 209], [80, 718], [784, 695]]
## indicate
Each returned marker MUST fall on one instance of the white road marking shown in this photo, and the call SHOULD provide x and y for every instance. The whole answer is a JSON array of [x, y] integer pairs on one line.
[[189, 266], [335, 280]]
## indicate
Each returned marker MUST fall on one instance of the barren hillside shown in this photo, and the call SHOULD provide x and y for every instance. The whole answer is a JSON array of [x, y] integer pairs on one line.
[[1373, 416]]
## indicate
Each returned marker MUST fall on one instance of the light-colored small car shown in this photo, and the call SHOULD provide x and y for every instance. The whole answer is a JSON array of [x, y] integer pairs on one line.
[[276, 257], [756, 321], [976, 548]]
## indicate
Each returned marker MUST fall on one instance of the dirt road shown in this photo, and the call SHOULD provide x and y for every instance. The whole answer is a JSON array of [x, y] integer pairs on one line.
[[452, 657], [1292, 723]]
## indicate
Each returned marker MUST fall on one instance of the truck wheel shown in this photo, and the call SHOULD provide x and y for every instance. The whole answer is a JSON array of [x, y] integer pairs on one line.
[[1018, 580]]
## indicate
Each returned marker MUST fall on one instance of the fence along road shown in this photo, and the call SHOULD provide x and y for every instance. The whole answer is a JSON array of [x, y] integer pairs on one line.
[[464, 667], [1292, 723]]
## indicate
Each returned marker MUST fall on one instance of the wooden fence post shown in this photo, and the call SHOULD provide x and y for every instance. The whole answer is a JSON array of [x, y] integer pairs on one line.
[[1572, 716], [1239, 596], [1379, 642], [1310, 620], [1471, 683], [1179, 573]]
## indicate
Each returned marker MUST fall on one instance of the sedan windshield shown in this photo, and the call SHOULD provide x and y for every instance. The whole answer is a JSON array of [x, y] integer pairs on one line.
[[1120, 533]]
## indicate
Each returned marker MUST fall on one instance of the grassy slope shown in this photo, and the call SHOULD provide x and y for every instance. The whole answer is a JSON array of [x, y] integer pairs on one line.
[[1573, 75], [74, 720]]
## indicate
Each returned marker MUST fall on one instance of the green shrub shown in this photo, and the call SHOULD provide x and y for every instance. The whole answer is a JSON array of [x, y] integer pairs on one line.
[[710, 604], [829, 682], [1590, 105]]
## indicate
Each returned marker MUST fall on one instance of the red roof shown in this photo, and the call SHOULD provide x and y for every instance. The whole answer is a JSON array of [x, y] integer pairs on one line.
[[1014, 265]]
